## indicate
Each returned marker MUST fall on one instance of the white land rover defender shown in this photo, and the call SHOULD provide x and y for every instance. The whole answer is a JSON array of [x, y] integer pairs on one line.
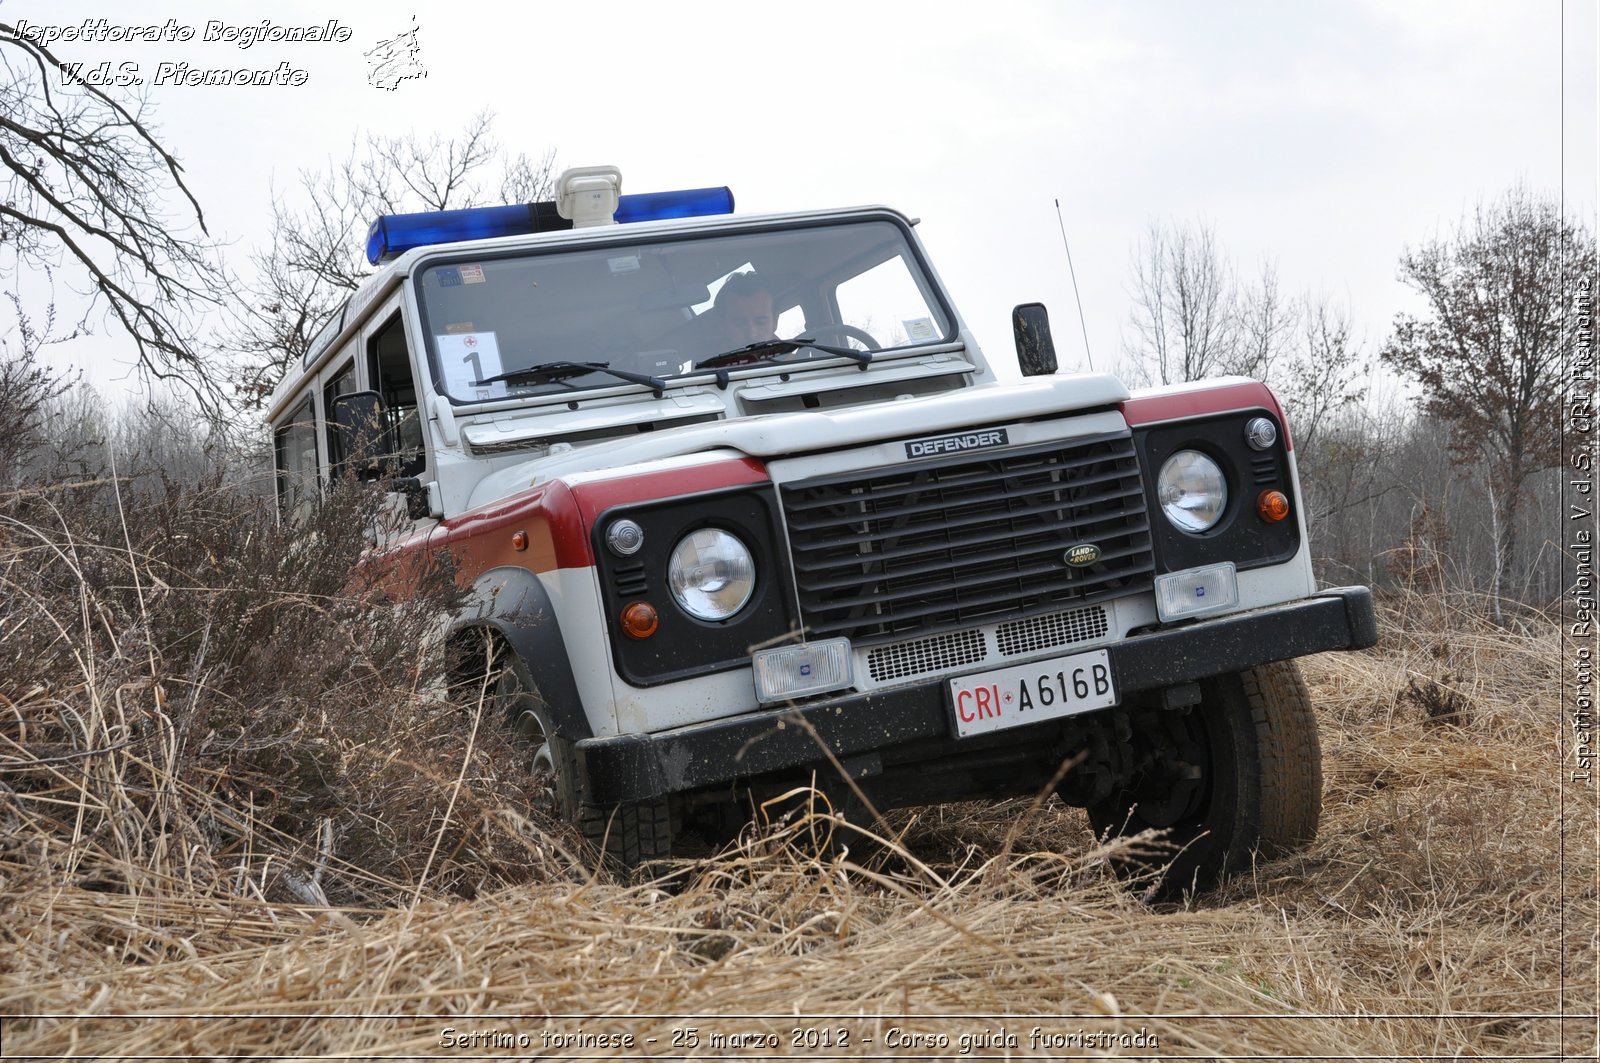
[[735, 533]]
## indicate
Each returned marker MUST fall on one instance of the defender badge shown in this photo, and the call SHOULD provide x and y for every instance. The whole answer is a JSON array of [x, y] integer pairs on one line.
[[1082, 554], [935, 445]]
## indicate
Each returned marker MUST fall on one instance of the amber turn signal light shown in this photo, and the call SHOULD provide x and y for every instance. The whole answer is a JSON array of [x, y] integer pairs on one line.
[[519, 540], [639, 620], [1273, 506]]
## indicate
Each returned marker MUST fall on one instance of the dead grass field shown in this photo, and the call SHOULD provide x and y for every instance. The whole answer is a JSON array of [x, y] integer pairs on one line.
[[1448, 909]]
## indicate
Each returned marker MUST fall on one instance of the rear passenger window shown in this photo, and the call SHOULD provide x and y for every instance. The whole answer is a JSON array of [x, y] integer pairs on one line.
[[342, 384], [295, 446]]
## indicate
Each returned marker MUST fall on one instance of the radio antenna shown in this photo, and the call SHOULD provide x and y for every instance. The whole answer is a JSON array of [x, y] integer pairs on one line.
[[1075, 295]]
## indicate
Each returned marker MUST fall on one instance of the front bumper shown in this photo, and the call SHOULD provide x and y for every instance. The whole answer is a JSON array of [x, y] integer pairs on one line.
[[638, 767]]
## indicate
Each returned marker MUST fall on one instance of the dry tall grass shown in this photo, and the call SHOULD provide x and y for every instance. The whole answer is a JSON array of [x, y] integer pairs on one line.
[[200, 743]]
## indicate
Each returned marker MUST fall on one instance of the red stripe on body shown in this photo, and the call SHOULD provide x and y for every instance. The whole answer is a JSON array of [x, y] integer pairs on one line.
[[1150, 409], [595, 498], [480, 539], [557, 518]]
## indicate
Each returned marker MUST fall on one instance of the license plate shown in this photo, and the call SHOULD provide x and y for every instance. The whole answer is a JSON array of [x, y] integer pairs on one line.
[[1028, 693]]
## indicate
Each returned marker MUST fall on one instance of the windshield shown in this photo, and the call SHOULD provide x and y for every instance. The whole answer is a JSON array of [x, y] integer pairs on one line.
[[657, 309]]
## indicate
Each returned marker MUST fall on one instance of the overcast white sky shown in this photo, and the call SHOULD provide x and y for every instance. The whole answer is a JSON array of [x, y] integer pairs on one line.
[[1325, 136]]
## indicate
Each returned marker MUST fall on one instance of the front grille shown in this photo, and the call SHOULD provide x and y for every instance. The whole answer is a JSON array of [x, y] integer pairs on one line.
[[953, 649], [934, 654], [1054, 629], [938, 545]]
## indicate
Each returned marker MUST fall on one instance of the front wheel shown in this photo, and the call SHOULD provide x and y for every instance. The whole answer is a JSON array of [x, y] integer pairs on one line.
[[1237, 774], [626, 836]]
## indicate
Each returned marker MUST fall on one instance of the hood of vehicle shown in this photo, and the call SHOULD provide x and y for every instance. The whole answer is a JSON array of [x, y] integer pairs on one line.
[[784, 435]]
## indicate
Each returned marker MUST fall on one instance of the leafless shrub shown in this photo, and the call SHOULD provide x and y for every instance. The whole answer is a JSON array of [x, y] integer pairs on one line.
[[1442, 703], [193, 693]]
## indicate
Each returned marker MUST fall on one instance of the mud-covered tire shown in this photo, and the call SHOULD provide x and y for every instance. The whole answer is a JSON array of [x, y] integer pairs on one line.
[[1253, 739], [551, 758], [626, 837], [631, 836], [1291, 756]]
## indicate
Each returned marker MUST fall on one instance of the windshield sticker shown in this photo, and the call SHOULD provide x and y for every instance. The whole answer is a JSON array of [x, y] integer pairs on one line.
[[466, 358], [449, 277], [920, 329], [624, 264], [471, 274]]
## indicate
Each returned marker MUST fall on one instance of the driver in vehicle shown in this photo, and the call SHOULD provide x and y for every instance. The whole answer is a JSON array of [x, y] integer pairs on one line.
[[747, 319], [745, 305]]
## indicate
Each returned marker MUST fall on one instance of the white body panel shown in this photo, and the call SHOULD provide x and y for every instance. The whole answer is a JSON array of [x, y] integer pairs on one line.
[[481, 452]]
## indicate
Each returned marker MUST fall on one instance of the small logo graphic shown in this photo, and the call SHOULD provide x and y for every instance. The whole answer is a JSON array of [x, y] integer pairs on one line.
[[927, 448], [1081, 555], [395, 60]]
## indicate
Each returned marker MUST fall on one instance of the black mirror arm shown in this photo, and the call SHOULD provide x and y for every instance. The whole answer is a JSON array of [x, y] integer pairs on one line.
[[416, 495]]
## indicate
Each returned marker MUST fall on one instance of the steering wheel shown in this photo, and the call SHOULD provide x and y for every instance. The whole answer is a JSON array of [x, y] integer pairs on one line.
[[860, 335]]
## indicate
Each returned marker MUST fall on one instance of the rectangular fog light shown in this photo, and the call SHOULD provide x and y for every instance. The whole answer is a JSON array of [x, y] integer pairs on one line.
[[1197, 591], [809, 668]]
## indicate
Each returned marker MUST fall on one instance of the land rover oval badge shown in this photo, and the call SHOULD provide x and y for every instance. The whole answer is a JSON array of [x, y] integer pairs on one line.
[[1082, 554]]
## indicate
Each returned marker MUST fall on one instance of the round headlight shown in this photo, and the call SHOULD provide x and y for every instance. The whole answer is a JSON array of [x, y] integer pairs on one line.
[[1192, 491], [711, 573]]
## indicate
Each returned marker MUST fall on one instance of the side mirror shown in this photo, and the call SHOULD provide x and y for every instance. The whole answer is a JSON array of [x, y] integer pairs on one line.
[[416, 496], [358, 432], [1036, 351]]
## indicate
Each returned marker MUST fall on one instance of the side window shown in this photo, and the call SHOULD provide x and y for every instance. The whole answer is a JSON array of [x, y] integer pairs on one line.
[[295, 444], [389, 369], [343, 383]]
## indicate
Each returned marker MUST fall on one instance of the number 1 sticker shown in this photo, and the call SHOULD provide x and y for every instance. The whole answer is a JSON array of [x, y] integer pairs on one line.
[[465, 359]]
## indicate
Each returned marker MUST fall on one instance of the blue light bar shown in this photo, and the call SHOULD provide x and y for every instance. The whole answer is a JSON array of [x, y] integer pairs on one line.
[[688, 203], [392, 235]]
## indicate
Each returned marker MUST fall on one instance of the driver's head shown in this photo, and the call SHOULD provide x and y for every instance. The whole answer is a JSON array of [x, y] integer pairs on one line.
[[745, 306]]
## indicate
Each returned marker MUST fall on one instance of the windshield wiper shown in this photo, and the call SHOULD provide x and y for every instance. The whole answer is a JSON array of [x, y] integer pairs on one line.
[[558, 371], [764, 351]]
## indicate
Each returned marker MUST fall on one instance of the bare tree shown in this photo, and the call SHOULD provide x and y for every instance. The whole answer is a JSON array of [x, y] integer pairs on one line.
[[316, 256], [27, 390], [1185, 315], [1266, 321], [1192, 319], [1501, 298], [86, 191], [1324, 371]]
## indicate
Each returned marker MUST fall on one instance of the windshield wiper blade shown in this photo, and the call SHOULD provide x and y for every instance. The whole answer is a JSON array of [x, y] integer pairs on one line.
[[862, 357], [764, 350], [552, 372], [749, 354]]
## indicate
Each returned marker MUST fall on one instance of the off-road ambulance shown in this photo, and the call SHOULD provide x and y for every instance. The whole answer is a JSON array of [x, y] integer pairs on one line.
[[742, 505]]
